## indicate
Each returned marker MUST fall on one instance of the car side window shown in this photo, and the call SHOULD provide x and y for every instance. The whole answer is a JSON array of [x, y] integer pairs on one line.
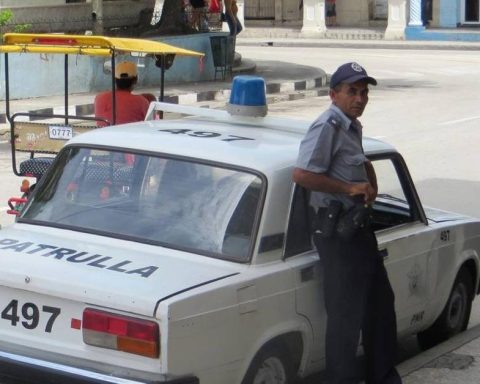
[[299, 225], [395, 203]]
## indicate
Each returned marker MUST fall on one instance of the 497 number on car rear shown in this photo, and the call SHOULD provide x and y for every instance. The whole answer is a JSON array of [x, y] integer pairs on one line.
[[28, 315]]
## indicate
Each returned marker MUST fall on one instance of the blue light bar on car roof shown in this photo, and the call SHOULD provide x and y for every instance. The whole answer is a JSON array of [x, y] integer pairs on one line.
[[247, 97]]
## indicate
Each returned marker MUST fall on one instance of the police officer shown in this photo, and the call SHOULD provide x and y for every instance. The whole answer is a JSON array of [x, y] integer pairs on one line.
[[358, 295]]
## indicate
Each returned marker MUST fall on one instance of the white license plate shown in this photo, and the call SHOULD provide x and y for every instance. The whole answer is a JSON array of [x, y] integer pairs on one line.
[[60, 132], [25, 312]]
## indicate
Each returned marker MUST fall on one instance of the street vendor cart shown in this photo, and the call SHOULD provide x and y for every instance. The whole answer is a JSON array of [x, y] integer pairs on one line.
[[41, 133]]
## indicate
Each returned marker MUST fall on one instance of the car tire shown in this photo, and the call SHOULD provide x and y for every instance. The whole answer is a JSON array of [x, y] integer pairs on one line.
[[270, 366], [454, 317]]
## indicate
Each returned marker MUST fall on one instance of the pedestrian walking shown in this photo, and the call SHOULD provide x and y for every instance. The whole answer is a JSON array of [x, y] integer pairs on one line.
[[358, 295], [331, 13], [231, 10], [199, 15]]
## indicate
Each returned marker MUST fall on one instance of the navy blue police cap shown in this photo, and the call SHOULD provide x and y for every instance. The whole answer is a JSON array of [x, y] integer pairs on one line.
[[350, 73]]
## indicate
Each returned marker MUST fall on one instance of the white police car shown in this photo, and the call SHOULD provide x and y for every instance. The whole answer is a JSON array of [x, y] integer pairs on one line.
[[178, 251]]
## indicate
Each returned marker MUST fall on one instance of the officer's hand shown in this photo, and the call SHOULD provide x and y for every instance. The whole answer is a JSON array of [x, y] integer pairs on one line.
[[365, 189]]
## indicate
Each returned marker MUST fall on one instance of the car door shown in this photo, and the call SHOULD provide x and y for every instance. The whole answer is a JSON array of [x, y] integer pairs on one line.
[[302, 257], [404, 239]]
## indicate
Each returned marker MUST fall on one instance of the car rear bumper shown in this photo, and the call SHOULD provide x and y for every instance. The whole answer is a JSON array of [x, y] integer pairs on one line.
[[29, 369]]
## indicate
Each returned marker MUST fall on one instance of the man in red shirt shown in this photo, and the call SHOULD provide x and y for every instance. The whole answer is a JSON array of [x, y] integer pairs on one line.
[[129, 107]]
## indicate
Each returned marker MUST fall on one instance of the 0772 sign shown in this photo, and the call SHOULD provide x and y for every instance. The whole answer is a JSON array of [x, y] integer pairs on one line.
[[29, 315]]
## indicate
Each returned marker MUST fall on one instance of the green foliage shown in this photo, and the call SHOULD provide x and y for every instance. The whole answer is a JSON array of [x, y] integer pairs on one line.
[[21, 28], [6, 16]]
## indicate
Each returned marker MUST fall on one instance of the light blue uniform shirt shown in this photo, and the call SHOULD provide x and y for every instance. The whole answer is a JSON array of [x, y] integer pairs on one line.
[[333, 146]]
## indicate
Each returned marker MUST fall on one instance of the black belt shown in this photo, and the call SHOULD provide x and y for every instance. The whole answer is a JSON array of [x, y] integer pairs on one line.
[[334, 220]]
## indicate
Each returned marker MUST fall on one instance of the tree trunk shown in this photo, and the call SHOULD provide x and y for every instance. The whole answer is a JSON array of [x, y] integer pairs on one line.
[[173, 20]]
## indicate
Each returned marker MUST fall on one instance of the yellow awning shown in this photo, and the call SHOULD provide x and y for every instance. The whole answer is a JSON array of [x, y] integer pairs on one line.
[[86, 45]]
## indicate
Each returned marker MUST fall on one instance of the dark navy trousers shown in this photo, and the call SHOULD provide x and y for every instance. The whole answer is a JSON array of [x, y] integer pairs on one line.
[[358, 299], [235, 27]]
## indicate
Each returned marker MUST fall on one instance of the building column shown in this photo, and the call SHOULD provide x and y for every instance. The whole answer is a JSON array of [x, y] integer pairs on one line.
[[278, 12], [415, 29], [415, 13], [97, 17], [313, 17], [397, 20]]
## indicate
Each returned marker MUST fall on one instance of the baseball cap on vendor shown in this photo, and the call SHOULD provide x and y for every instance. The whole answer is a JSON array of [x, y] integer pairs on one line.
[[125, 70], [350, 73]]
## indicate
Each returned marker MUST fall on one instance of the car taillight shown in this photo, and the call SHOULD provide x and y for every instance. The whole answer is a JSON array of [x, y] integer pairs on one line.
[[123, 333]]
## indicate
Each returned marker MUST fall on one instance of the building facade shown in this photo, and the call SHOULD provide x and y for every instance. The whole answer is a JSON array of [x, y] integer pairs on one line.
[[400, 19]]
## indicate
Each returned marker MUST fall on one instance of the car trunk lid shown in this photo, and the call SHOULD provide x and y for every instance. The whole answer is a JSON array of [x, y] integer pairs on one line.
[[107, 272]]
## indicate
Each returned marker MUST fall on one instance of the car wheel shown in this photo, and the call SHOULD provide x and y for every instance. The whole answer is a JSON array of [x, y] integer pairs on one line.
[[454, 317], [270, 366]]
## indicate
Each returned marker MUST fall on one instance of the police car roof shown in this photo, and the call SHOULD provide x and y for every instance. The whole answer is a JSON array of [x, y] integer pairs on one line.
[[252, 146]]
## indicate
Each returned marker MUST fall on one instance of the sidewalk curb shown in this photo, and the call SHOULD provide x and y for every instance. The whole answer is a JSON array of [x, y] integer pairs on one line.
[[310, 87], [417, 362], [359, 44], [272, 88]]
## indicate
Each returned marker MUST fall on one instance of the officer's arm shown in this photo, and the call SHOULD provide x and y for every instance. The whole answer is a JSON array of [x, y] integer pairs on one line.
[[320, 182], [323, 183], [371, 175]]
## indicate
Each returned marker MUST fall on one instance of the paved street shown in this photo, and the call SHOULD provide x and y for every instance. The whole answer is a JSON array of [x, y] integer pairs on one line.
[[426, 104]]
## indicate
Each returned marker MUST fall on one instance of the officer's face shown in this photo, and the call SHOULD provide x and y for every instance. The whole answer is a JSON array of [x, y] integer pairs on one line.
[[351, 98]]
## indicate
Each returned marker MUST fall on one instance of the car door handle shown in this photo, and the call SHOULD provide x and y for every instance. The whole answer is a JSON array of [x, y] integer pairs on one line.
[[383, 252]]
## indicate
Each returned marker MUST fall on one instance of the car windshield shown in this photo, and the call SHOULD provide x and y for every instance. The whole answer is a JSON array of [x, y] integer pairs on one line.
[[180, 204]]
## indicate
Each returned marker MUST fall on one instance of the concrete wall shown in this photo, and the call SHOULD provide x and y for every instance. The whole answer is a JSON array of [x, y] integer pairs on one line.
[[379, 9], [33, 75], [48, 16], [449, 14], [435, 14], [18, 3], [446, 13], [350, 13], [353, 13], [289, 10]]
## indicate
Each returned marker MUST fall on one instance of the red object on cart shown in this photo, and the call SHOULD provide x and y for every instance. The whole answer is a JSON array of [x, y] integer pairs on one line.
[[19, 203]]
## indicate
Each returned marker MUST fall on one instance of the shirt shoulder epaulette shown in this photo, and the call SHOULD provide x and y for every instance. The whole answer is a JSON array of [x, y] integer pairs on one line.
[[333, 121]]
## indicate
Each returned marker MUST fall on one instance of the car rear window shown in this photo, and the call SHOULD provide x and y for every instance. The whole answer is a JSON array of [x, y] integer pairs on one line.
[[177, 203]]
